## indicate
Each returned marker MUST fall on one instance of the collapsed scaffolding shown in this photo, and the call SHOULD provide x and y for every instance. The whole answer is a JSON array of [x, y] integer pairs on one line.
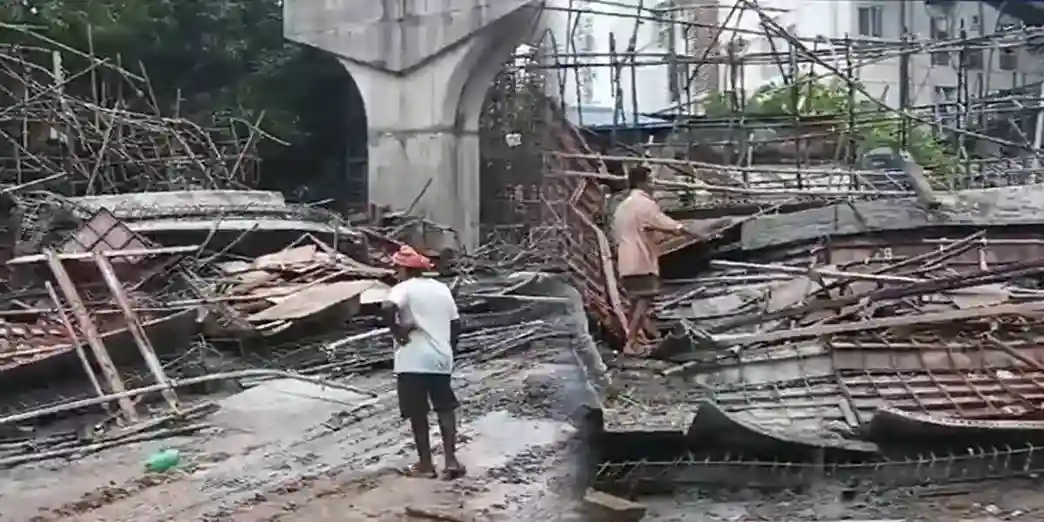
[[117, 140], [138, 265], [820, 145], [849, 264], [570, 206]]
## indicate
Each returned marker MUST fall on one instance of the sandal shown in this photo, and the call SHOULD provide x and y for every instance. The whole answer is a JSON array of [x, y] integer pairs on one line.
[[415, 471], [454, 473]]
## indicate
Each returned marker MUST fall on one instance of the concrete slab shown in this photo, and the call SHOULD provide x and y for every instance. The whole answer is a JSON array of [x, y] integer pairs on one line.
[[498, 438], [282, 408]]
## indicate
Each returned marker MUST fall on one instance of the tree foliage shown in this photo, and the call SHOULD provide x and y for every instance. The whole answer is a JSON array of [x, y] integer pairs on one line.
[[203, 58], [870, 125]]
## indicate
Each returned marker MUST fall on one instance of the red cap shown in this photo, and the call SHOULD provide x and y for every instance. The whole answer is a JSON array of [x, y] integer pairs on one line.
[[407, 257]]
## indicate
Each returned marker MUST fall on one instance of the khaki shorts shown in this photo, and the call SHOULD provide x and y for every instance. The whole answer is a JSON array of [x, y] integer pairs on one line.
[[647, 285]]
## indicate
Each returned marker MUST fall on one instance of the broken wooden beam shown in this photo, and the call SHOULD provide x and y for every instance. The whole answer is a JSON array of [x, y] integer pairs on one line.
[[74, 339], [90, 332], [135, 328]]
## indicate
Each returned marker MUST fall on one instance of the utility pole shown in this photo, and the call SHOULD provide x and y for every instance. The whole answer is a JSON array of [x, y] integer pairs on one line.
[[904, 72]]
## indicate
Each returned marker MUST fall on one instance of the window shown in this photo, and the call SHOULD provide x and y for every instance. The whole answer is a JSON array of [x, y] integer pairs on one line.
[[677, 80], [587, 81], [972, 58], [738, 45], [944, 97], [871, 22], [940, 28], [941, 58], [1009, 59], [665, 35]]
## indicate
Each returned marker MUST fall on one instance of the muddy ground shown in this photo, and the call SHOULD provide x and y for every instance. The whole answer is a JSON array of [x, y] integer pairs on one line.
[[1009, 500], [285, 450]]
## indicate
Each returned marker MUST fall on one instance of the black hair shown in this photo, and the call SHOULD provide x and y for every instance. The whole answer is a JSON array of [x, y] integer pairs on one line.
[[637, 176]]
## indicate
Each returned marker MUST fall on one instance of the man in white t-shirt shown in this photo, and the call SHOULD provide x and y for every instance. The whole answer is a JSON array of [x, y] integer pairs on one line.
[[423, 318]]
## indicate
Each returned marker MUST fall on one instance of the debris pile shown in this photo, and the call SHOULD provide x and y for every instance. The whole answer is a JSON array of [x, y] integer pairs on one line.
[[889, 337], [141, 273], [277, 291], [121, 320]]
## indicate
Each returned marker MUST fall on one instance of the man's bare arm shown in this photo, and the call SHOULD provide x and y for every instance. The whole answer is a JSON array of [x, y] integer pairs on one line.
[[390, 315], [660, 221], [454, 333]]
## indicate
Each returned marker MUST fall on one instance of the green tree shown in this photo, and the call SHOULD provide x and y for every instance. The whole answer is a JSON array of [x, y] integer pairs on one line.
[[870, 125], [206, 59]]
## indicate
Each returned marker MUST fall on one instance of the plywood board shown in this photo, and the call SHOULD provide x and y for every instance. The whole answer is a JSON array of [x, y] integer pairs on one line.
[[378, 293], [283, 259], [313, 300]]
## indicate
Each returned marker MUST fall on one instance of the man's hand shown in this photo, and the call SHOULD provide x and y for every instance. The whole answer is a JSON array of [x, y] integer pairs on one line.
[[713, 228], [401, 333]]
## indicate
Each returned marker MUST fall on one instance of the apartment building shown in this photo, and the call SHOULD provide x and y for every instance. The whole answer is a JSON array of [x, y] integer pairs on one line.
[[934, 77], [587, 32]]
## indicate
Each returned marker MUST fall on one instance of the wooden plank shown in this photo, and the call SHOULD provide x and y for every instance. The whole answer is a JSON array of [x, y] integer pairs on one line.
[[101, 355], [135, 328], [313, 300]]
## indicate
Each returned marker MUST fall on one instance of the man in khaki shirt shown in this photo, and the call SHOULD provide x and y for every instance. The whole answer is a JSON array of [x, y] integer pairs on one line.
[[637, 258]]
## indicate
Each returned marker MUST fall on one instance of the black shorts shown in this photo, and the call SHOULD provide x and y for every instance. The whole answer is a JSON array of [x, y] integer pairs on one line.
[[419, 390]]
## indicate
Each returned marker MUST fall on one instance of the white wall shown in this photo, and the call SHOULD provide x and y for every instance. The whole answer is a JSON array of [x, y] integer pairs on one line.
[[805, 18], [648, 84]]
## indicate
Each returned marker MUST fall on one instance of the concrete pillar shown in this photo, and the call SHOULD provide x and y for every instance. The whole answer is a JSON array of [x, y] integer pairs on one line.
[[423, 68]]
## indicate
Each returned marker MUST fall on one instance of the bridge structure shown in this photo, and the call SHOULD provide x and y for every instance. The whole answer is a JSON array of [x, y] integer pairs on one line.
[[423, 68]]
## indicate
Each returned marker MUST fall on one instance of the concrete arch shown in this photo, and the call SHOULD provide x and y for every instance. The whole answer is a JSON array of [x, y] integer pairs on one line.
[[484, 59], [356, 149], [481, 62], [330, 162], [423, 73], [423, 70]]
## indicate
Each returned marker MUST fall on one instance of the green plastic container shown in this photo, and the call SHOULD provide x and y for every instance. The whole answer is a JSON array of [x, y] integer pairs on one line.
[[163, 460]]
